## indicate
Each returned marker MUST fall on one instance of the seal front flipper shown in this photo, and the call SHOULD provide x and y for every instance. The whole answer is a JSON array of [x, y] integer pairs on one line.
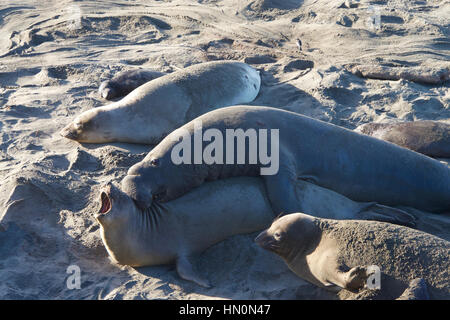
[[186, 271], [282, 191], [378, 212], [352, 280]]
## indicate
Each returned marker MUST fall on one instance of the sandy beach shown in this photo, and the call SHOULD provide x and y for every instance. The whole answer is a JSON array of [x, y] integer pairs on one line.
[[315, 57]]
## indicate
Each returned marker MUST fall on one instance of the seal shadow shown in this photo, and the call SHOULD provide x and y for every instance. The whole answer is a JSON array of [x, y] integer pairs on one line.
[[282, 95]]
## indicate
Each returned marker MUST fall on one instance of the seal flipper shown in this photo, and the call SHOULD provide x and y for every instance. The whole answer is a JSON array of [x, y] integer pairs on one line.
[[352, 280], [282, 193], [186, 271], [378, 212]]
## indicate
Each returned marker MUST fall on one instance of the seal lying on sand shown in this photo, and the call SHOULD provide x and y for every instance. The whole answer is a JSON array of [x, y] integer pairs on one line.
[[428, 137], [357, 166], [176, 230], [126, 81], [158, 107], [332, 253]]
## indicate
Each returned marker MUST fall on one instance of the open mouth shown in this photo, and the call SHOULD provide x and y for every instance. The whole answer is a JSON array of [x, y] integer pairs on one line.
[[106, 203]]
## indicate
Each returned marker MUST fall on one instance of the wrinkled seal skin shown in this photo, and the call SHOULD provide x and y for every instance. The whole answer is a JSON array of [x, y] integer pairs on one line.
[[428, 137], [357, 166], [336, 254], [126, 81], [174, 231], [151, 111]]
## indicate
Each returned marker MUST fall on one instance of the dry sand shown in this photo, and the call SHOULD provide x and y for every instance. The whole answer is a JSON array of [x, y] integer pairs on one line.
[[54, 54]]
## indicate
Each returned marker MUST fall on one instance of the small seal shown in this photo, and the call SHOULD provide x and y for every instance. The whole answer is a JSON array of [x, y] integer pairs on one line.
[[126, 81], [428, 137], [362, 168], [156, 108], [336, 254]]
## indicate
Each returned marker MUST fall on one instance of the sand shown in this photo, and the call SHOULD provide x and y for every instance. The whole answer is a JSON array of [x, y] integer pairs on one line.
[[54, 55]]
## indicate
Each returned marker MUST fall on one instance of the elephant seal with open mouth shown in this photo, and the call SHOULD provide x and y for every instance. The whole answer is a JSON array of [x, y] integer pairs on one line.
[[425, 136]]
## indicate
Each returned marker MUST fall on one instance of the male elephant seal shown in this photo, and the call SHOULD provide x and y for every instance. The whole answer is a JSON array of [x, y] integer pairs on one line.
[[428, 137], [339, 254], [175, 230], [126, 81], [158, 107], [357, 166]]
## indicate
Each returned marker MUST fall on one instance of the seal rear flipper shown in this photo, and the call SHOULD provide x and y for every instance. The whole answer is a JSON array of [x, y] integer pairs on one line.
[[186, 271], [378, 212]]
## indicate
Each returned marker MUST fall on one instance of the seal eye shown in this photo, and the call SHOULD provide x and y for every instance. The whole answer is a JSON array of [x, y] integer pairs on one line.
[[159, 196], [277, 236], [154, 162]]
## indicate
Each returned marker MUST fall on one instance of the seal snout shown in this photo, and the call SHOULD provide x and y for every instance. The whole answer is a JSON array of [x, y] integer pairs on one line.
[[265, 241], [69, 132], [106, 91]]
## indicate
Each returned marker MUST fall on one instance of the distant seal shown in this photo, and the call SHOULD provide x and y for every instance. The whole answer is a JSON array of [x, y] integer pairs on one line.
[[158, 107], [176, 230], [126, 81], [337, 254], [428, 137], [357, 166]]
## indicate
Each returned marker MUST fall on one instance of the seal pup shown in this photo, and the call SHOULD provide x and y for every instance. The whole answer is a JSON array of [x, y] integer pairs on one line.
[[126, 81], [338, 254], [360, 167], [176, 230], [428, 137], [153, 110]]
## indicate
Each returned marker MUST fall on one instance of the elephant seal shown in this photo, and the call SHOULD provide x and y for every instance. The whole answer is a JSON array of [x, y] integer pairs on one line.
[[428, 137], [357, 166], [340, 254], [126, 81], [176, 230], [156, 108]]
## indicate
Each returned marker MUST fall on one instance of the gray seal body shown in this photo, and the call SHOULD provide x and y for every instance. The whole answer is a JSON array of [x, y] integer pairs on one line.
[[431, 138], [150, 112], [371, 260], [357, 166]]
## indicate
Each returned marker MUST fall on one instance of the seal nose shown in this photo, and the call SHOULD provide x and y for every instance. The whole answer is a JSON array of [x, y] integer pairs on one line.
[[69, 132], [261, 238], [107, 93]]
